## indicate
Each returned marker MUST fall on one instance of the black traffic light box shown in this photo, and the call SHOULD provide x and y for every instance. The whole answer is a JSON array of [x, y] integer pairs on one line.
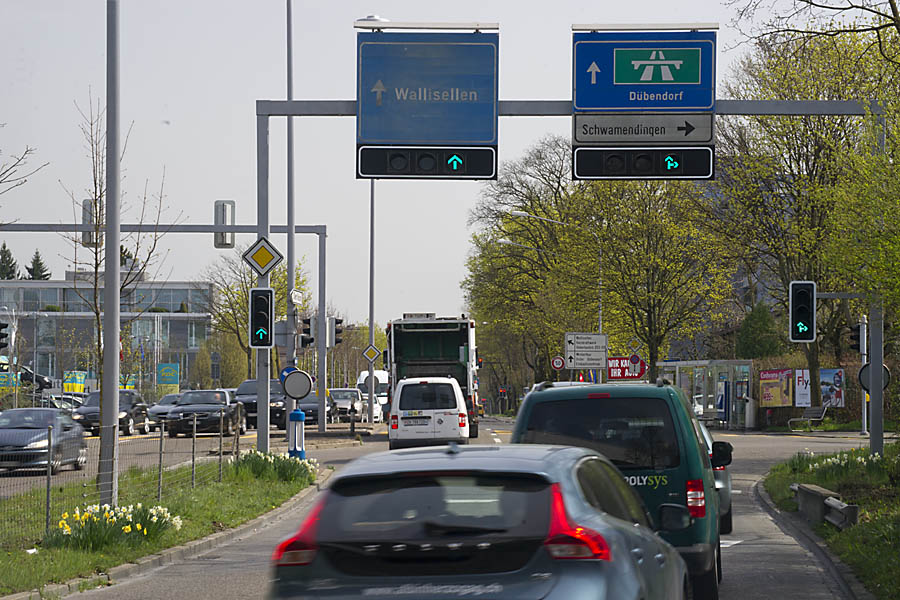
[[336, 326], [687, 162], [309, 332], [262, 317], [856, 337], [3, 335], [802, 309], [426, 162]]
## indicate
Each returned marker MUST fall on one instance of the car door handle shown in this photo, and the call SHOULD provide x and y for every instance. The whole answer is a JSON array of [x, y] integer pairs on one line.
[[638, 555], [661, 559]]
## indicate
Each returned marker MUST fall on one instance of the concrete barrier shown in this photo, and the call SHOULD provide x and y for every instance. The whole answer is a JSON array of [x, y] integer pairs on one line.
[[818, 504]]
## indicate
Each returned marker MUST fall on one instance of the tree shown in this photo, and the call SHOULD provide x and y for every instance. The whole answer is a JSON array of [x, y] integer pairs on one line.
[[38, 270], [11, 176], [758, 336], [8, 267], [201, 374]]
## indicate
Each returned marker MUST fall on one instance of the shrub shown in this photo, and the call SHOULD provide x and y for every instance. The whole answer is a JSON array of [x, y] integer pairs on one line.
[[274, 466], [98, 526]]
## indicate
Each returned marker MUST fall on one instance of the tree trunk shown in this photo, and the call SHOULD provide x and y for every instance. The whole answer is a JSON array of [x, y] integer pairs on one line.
[[812, 361], [249, 352]]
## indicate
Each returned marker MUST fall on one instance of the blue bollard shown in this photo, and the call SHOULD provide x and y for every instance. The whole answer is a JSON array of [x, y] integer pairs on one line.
[[297, 420]]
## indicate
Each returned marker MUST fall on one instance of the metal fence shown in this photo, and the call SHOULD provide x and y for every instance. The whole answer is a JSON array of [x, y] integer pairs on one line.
[[150, 466]]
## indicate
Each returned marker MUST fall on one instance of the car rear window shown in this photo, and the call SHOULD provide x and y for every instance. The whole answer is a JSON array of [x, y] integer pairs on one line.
[[631, 432], [419, 507], [427, 396], [247, 387]]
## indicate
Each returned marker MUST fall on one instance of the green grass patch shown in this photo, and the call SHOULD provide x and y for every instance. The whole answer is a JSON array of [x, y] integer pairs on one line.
[[204, 510], [872, 547], [829, 424]]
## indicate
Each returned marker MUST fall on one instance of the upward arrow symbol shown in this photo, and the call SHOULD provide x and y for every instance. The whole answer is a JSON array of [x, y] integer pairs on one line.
[[593, 70], [379, 89]]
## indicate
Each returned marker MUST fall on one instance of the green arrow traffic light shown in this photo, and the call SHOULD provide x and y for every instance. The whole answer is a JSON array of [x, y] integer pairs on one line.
[[261, 333], [454, 161], [801, 327]]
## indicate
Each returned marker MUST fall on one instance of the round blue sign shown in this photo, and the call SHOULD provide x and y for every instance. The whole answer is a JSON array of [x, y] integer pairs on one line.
[[285, 371]]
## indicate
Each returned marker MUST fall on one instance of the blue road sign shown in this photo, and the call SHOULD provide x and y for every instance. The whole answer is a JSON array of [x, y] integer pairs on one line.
[[427, 88], [285, 372], [652, 71]]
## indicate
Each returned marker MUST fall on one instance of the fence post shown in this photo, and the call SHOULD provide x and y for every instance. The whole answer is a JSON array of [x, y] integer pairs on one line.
[[221, 438], [162, 434], [237, 438], [194, 453], [49, 473]]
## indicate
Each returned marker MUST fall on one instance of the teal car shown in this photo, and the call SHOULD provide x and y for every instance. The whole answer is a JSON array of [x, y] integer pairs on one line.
[[651, 434]]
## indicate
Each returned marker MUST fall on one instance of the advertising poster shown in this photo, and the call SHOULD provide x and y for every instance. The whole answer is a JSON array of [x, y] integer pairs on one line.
[[801, 385], [73, 381], [832, 383], [776, 387], [167, 373]]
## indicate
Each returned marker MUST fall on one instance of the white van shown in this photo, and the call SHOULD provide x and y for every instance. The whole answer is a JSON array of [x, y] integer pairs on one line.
[[428, 411], [381, 390]]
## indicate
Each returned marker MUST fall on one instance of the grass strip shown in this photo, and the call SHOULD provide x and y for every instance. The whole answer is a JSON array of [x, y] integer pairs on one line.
[[872, 547], [207, 509]]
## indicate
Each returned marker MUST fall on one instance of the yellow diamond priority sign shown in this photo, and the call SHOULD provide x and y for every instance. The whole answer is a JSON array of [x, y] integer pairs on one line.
[[371, 353], [262, 257]]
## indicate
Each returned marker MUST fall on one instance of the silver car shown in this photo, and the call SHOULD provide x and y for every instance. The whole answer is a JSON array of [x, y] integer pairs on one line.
[[723, 486], [521, 521], [347, 400]]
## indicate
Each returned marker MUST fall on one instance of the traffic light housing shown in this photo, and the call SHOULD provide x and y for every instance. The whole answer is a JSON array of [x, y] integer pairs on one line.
[[856, 337], [308, 335], [3, 336], [802, 310], [426, 162], [335, 330], [262, 317], [686, 162]]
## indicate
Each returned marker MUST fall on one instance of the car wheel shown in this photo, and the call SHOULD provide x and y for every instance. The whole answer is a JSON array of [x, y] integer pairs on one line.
[[81, 460], [173, 432], [95, 432], [243, 428], [725, 523], [55, 462], [229, 428], [706, 586], [146, 428], [392, 445], [473, 430], [129, 427]]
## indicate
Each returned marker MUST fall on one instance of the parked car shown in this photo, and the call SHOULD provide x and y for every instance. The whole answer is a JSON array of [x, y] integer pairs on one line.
[[59, 402], [24, 443], [41, 382], [310, 408], [500, 522], [347, 399], [132, 413], [207, 405], [159, 411], [723, 485], [429, 411], [246, 395], [650, 432], [76, 398]]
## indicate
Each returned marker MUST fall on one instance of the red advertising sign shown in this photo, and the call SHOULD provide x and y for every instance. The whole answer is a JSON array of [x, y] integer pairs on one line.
[[619, 367]]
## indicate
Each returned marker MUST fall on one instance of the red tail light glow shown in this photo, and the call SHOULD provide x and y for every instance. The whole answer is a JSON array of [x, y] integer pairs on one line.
[[569, 541], [301, 549], [394, 422], [696, 499], [462, 419]]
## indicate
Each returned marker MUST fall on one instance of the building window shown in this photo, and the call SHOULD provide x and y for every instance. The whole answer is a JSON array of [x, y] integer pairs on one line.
[[196, 334]]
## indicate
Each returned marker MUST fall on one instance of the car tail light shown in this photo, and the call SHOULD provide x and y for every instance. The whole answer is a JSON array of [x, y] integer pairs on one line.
[[394, 422], [463, 419], [696, 500], [598, 395], [716, 468], [301, 549], [567, 540]]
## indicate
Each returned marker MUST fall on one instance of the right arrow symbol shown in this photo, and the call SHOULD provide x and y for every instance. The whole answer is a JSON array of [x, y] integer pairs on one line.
[[687, 128], [593, 70]]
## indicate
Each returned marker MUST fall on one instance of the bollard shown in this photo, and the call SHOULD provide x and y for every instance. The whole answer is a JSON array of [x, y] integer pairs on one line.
[[194, 453], [162, 434], [297, 420], [352, 412], [49, 472], [221, 436]]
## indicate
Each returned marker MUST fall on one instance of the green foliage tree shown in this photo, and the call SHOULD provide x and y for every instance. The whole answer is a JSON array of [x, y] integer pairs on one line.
[[201, 373], [38, 270], [758, 336], [8, 267]]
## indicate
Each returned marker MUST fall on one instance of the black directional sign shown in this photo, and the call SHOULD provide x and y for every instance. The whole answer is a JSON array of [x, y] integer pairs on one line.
[[629, 162], [262, 317]]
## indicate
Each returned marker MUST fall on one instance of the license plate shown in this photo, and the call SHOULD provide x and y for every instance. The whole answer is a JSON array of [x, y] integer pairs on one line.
[[251, 414], [415, 422]]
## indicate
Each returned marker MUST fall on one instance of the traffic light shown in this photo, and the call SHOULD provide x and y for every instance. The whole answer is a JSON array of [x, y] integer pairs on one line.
[[856, 337], [262, 317], [309, 332], [688, 162], [802, 309], [3, 336], [334, 331], [426, 162]]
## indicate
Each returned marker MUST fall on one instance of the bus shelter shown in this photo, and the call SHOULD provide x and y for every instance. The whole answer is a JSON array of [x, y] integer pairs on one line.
[[719, 390]]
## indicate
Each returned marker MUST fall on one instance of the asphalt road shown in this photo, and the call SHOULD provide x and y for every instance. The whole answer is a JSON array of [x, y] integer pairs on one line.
[[759, 559]]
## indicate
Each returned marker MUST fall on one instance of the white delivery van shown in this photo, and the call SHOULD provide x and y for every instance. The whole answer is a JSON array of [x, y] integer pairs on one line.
[[428, 411], [381, 391]]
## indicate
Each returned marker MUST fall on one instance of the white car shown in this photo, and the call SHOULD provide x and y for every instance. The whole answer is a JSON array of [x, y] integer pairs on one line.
[[428, 411]]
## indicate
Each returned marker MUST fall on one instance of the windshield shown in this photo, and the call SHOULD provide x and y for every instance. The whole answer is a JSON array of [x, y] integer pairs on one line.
[[26, 418], [344, 394], [381, 389], [202, 397], [631, 432], [93, 399], [427, 396], [416, 507], [169, 399], [248, 387]]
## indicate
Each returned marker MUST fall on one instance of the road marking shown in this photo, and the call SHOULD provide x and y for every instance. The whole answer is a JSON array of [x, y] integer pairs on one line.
[[729, 543], [736, 492], [498, 440], [502, 431]]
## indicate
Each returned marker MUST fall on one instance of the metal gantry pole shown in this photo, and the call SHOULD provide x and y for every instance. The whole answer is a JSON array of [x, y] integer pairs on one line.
[[109, 414], [262, 225], [291, 235], [371, 292], [863, 325], [876, 378], [321, 362]]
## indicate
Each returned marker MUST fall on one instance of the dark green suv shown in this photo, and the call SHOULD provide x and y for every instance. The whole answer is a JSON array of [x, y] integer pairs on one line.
[[651, 434]]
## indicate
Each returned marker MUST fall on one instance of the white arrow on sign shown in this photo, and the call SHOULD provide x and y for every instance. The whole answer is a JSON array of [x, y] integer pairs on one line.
[[593, 70], [379, 90]]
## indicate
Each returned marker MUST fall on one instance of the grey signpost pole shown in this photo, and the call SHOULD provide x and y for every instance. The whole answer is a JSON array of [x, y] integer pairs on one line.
[[291, 309], [863, 325], [876, 377], [371, 378], [321, 325], [109, 414], [262, 225]]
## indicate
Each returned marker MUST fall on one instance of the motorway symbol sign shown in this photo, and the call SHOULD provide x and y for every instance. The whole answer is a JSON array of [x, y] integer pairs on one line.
[[611, 129], [371, 353], [557, 362], [585, 350], [427, 88], [670, 71], [262, 256]]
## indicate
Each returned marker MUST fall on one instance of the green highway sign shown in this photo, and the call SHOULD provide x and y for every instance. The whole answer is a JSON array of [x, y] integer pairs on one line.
[[645, 66]]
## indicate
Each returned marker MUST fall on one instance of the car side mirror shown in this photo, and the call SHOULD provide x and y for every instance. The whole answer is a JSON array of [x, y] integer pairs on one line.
[[674, 517], [721, 454]]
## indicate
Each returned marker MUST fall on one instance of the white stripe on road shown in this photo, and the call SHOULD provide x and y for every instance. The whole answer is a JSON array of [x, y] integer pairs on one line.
[[729, 543], [498, 440]]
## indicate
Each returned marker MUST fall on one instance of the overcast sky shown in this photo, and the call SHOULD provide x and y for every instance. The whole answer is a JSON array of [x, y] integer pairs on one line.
[[191, 71]]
